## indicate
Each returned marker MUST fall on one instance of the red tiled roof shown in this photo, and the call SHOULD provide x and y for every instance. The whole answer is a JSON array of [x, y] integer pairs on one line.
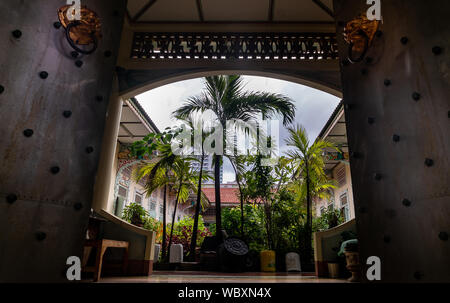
[[227, 195]]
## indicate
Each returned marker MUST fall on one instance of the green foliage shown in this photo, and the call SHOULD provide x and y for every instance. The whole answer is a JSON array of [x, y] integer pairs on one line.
[[255, 233], [283, 172], [258, 189], [287, 220], [184, 227], [284, 206], [212, 229], [186, 181], [287, 223], [329, 219], [149, 145], [258, 181], [134, 213], [152, 224], [137, 215], [309, 175], [319, 223], [182, 232], [225, 96]]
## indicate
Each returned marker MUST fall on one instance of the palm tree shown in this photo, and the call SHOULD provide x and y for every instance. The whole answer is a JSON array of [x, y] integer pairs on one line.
[[309, 166], [186, 181], [197, 124], [159, 174], [225, 97], [197, 211], [237, 162]]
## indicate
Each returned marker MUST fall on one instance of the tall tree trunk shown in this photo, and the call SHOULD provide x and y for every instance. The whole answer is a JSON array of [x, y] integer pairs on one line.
[[308, 211], [242, 210], [164, 235], [173, 220], [218, 204], [268, 224], [197, 213], [240, 198]]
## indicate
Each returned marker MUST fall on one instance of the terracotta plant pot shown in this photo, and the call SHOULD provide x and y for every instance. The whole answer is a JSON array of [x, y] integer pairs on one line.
[[333, 270], [353, 265]]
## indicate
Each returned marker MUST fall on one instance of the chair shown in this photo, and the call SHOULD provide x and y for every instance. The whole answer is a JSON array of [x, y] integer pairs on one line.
[[100, 245]]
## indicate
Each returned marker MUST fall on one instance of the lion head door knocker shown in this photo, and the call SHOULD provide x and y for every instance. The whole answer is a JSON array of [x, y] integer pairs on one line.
[[359, 33], [83, 34]]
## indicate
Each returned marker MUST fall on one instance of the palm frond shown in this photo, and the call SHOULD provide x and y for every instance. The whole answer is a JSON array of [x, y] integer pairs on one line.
[[250, 104], [192, 105]]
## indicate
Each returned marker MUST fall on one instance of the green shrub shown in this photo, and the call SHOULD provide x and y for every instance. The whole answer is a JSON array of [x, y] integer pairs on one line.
[[329, 219], [152, 224], [184, 228], [254, 231], [134, 213], [182, 232], [137, 215]]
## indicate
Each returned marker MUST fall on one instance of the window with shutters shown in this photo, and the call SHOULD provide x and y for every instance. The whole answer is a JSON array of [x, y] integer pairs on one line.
[[340, 176], [122, 191], [127, 172], [138, 198], [344, 206]]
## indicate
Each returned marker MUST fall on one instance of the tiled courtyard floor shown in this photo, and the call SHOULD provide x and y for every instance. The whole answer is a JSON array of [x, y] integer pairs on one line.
[[213, 277]]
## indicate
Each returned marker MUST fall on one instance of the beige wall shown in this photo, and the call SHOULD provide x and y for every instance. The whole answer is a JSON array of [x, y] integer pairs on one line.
[[338, 191]]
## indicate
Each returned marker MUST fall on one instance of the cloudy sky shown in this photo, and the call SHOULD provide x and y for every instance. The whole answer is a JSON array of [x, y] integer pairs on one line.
[[313, 107]]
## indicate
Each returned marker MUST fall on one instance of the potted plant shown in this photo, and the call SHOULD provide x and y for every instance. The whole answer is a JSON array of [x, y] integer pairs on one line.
[[333, 270], [352, 259], [135, 214], [349, 249], [333, 218]]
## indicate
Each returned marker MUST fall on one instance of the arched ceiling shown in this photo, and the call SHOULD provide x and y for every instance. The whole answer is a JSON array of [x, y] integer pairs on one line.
[[229, 11]]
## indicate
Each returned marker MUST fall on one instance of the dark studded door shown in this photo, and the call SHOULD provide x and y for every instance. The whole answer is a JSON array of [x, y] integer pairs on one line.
[[398, 112], [53, 103]]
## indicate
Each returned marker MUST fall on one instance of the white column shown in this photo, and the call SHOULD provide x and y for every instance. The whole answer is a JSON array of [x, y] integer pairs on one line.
[[106, 172]]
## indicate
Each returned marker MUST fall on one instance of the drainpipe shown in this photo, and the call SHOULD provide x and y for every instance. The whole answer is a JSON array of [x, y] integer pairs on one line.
[[105, 171]]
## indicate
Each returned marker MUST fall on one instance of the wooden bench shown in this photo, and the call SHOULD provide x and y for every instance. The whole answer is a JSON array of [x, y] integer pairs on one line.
[[101, 246]]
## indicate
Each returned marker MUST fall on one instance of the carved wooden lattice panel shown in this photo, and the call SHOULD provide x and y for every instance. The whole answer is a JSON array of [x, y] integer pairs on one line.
[[249, 46]]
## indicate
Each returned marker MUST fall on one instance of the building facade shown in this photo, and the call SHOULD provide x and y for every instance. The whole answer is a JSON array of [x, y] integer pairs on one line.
[[337, 167], [134, 125], [229, 197]]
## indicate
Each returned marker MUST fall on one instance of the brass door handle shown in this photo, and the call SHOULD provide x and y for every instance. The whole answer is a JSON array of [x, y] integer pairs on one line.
[[74, 44], [363, 53]]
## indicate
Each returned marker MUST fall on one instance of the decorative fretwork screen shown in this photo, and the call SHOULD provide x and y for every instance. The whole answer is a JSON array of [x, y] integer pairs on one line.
[[253, 46]]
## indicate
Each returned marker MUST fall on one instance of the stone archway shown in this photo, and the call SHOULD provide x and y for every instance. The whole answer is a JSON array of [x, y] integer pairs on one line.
[[149, 79]]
